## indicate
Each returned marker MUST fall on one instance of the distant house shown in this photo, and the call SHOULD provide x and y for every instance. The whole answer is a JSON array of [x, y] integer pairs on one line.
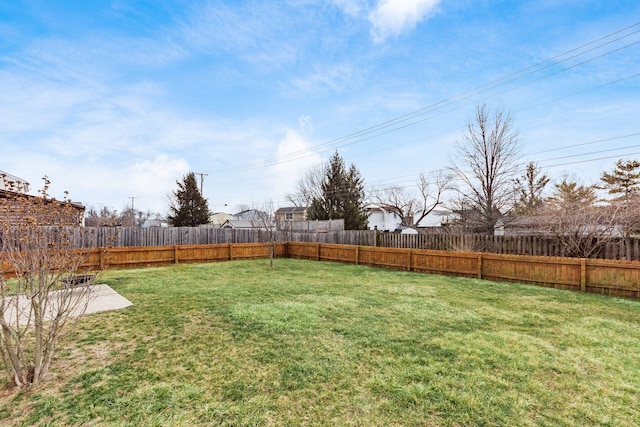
[[219, 218], [238, 224], [12, 183], [15, 201], [520, 225], [382, 218], [550, 226], [155, 222], [14, 207], [248, 215], [295, 213], [438, 218]]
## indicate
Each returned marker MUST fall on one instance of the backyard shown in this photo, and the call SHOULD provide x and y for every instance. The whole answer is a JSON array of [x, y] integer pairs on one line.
[[317, 343]]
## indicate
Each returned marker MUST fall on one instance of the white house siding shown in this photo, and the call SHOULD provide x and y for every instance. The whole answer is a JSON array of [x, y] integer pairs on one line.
[[382, 220]]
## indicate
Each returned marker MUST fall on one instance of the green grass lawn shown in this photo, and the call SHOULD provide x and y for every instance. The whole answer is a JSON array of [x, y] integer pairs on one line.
[[313, 343]]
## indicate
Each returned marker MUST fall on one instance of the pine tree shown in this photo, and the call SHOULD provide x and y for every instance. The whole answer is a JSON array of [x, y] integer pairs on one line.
[[529, 189], [624, 180], [189, 208], [342, 196], [569, 196], [355, 218]]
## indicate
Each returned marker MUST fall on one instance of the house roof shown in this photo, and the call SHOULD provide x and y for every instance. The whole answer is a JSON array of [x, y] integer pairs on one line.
[[292, 209], [13, 183], [380, 208], [237, 223], [5, 194]]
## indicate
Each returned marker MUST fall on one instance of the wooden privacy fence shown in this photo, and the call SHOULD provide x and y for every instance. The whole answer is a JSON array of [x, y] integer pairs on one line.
[[150, 256], [90, 237], [618, 278], [613, 248]]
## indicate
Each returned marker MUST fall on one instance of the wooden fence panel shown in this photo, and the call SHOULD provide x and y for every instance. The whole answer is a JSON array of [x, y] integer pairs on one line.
[[304, 250], [620, 278], [339, 253], [393, 258], [561, 273], [446, 262]]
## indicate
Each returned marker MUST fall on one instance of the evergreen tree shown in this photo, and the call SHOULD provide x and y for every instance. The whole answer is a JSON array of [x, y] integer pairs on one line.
[[189, 208], [568, 196], [355, 217], [529, 189], [624, 180], [342, 196]]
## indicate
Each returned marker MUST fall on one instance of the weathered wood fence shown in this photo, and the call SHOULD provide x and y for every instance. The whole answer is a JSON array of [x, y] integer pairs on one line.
[[618, 278], [90, 237], [615, 248], [93, 237]]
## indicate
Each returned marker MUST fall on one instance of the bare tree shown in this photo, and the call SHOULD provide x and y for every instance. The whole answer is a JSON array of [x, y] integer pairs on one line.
[[413, 206], [309, 187], [269, 229], [584, 230], [37, 306], [486, 162], [577, 220]]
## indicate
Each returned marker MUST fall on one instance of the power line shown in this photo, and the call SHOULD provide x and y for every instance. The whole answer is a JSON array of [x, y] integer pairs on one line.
[[202, 175], [377, 130], [586, 143]]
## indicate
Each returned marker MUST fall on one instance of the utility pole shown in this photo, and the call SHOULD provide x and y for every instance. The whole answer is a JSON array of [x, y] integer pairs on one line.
[[133, 212], [202, 175]]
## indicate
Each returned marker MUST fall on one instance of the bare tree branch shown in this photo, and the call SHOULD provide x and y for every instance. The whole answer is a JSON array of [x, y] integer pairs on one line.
[[37, 307], [413, 206], [486, 162]]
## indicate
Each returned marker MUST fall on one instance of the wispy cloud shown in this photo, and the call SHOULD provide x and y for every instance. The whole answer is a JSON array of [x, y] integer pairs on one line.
[[351, 7], [391, 18], [256, 33], [334, 79]]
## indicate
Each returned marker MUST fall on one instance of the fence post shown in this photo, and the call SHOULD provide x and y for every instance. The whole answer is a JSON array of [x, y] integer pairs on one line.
[[230, 251], [357, 254], [175, 254], [318, 251], [583, 275], [101, 259], [480, 265], [409, 260]]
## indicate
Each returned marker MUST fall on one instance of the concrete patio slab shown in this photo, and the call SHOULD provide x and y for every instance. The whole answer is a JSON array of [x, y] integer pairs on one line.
[[101, 298]]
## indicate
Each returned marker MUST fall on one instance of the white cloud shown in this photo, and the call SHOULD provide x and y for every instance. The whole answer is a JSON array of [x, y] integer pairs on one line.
[[296, 156], [147, 179], [393, 17]]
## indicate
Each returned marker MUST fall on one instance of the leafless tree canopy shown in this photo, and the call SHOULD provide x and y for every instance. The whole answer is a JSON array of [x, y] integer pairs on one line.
[[36, 306], [269, 229], [486, 162], [582, 224], [412, 206], [309, 186]]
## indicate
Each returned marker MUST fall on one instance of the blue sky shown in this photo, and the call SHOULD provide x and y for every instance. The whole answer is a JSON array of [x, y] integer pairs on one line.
[[119, 99]]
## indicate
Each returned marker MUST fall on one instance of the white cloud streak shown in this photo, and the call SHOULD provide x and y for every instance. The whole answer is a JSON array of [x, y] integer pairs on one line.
[[391, 18]]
